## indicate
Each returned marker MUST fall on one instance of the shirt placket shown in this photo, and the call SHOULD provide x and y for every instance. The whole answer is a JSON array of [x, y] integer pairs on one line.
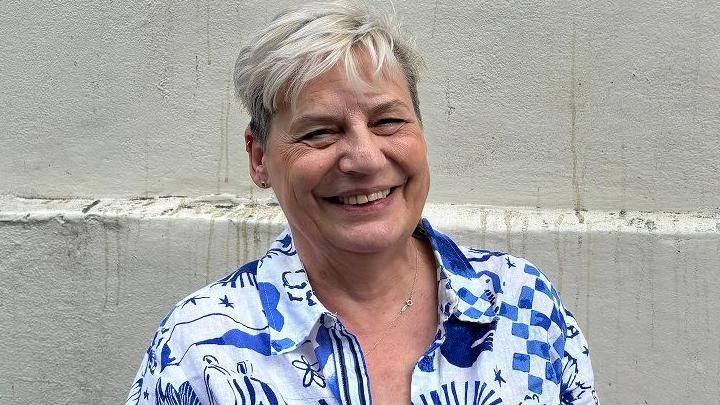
[[350, 367]]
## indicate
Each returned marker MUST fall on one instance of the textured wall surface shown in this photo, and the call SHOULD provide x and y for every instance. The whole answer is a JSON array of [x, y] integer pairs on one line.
[[595, 105], [89, 282], [603, 117]]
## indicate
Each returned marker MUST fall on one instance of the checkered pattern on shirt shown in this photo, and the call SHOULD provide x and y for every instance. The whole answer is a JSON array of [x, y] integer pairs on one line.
[[468, 304], [538, 327]]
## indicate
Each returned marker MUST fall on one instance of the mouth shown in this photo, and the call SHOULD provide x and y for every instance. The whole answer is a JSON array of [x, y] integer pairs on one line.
[[362, 199]]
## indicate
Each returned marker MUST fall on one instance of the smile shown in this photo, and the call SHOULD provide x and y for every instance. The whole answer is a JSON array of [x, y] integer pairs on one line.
[[360, 199]]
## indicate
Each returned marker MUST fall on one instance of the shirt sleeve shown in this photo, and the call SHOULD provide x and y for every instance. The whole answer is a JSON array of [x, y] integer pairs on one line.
[[577, 386], [154, 385]]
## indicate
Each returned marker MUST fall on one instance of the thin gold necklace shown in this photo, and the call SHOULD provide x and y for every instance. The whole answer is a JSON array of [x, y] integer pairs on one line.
[[406, 306]]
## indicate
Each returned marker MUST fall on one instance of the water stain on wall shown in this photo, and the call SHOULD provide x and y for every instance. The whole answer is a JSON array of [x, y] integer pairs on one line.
[[483, 229], [211, 235], [236, 225], [207, 31], [113, 261], [650, 260], [450, 109], [146, 165], [560, 254], [577, 270], [587, 270], [227, 238], [573, 134], [107, 267], [524, 236], [244, 231], [434, 20], [508, 217], [224, 159]]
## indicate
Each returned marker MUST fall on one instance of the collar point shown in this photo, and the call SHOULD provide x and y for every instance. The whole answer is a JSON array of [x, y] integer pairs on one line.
[[283, 346]]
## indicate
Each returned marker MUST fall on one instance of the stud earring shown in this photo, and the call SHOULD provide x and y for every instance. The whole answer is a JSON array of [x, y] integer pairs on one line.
[[263, 184]]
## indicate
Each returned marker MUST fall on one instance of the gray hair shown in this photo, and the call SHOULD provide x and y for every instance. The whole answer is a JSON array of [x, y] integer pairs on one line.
[[304, 43]]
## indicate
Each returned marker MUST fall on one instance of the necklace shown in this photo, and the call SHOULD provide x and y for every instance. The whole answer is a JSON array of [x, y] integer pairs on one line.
[[405, 306]]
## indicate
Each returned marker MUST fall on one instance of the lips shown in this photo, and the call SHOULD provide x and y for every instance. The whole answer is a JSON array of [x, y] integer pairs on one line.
[[359, 199]]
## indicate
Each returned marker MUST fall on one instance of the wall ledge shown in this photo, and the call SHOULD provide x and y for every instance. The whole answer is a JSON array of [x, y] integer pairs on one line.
[[461, 217]]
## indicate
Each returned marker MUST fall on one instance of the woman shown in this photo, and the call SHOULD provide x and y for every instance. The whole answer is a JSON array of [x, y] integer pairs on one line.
[[360, 300]]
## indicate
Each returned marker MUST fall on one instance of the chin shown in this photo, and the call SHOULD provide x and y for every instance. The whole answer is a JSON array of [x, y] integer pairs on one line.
[[368, 238]]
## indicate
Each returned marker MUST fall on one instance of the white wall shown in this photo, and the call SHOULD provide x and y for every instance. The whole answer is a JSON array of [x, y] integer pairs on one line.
[[604, 117], [87, 289], [535, 103]]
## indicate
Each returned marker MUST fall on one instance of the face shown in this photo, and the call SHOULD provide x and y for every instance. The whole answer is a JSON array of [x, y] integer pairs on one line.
[[348, 163]]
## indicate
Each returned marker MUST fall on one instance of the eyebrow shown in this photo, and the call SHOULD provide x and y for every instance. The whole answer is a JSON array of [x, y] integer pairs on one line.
[[325, 119], [312, 119], [387, 106]]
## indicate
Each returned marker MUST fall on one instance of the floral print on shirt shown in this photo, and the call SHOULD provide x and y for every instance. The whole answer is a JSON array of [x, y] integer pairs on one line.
[[260, 336]]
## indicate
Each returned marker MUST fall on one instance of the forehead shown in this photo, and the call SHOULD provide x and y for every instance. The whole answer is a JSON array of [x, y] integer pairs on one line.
[[338, 90]]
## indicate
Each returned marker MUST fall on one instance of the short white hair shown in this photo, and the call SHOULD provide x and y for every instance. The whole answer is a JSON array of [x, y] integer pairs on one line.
[[302, 44]]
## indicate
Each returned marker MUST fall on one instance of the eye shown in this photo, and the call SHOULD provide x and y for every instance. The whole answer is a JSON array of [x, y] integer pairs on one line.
[[314, 134], [318, 138], [388, 126]]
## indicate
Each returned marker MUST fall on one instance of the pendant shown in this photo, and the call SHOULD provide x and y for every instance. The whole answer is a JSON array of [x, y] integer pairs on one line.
[[408, 304]]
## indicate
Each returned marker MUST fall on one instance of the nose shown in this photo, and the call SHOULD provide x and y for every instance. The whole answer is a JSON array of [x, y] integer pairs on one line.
[[363, 153]]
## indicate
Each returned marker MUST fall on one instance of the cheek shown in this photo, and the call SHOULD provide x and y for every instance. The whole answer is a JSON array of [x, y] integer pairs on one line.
[[280, 161], [299, 169], [411, 151]]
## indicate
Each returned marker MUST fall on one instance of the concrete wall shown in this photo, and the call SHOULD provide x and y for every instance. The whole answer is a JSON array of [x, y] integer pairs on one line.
[[603, 117], [88, 281], [599, 105]]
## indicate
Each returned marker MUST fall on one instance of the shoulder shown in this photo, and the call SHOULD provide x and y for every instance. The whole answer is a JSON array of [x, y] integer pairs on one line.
[[518, 284], [216, 328], [488, 283], [237, 290], [519, 276], [528, 309], [475, 267], [225, 307], [491, 284], [222, 314]]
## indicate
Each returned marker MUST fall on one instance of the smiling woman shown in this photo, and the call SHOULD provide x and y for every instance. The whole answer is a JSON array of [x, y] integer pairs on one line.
[[360, 300], [338, 147]]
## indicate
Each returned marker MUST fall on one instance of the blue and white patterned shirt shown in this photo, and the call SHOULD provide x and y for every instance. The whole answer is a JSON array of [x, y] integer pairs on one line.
[[259, 336]]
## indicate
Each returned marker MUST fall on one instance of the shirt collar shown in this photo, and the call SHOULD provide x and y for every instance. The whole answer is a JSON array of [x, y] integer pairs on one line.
[[464, 292], [288, 302], [293, 311]]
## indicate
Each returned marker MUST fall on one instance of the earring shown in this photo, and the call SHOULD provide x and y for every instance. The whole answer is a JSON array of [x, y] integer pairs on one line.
[[263, 184]]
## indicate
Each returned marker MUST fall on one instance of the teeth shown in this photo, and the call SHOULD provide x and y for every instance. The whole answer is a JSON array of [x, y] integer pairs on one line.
[[363, 199]]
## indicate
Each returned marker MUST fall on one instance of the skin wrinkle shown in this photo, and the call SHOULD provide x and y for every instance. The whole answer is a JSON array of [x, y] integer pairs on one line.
[[344, 139], [305, 121], [388, 55], [295, 154]]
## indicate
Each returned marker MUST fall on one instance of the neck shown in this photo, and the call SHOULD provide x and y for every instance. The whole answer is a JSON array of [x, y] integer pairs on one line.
[[358, 285]]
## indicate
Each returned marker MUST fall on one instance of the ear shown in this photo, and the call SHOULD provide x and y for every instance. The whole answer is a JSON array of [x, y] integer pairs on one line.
[[256, 157]]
